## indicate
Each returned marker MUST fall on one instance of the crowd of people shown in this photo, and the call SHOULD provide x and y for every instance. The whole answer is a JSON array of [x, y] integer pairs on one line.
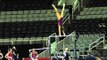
[[10, 55], [33, 55], [13, 55]]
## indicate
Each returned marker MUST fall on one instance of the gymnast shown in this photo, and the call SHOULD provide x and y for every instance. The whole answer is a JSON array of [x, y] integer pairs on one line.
[[33, 55], [9, 55], [60, 17]]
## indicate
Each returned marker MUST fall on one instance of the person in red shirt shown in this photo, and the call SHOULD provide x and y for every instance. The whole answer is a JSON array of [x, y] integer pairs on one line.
[[9, 55], [33, 55]]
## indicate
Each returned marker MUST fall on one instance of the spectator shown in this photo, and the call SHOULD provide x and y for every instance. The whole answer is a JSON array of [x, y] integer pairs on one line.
[[90, 57], [14, 50], [66, 55], [1, 55]]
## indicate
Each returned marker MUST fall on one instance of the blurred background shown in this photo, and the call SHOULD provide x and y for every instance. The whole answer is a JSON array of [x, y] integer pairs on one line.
[[28, 24]]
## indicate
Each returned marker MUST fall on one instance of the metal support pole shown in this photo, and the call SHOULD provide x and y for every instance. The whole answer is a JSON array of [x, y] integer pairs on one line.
[[74, 38], [57, 48], [75, 52], [49, 45]]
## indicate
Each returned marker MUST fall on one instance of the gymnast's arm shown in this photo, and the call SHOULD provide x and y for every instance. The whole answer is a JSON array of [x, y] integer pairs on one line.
[[1, 55], [37, 54], [30, 55], [6, 56], [62, 12], [56, 11]]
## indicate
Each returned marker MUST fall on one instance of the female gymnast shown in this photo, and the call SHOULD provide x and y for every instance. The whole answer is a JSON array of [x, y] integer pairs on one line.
[[33, 55], [9, 55], [60, 17]]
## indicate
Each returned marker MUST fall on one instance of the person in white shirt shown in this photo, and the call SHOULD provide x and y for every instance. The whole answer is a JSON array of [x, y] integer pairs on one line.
[[65, 54]]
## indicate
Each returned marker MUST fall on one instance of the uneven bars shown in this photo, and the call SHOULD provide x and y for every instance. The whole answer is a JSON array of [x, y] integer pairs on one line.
[[39, 48], [59, 36]]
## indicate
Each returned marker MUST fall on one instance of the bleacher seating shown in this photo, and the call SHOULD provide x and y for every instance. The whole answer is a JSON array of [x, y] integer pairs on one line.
[[23, 41], [89, 25], [28, 23], [24, 5], [27, 29], [26, 32], [98, 3], [85, 40], [93, 13], [28, 15]]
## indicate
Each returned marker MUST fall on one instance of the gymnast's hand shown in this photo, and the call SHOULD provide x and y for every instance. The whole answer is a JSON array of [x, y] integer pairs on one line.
[[53, 5], [63, 4]]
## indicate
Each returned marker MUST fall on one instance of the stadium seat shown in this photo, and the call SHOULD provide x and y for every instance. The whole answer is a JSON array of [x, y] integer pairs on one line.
[[92, 13], [37, 11]]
